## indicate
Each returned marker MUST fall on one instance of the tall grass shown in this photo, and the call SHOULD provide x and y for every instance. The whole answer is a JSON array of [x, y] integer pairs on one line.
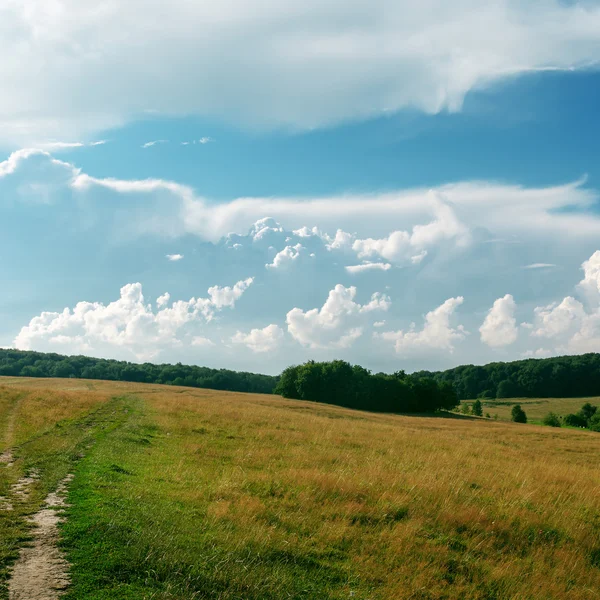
[[199, 494]]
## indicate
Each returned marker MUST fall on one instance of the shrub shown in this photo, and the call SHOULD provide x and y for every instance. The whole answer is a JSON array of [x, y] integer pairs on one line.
[[518, 414], [488, 416], [476, 409], [594, 423], [587, 411], [552, 420], [575, 421], [464, 409]]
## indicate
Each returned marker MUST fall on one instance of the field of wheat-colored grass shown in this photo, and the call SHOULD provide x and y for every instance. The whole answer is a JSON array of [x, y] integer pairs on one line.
[[193, 493]]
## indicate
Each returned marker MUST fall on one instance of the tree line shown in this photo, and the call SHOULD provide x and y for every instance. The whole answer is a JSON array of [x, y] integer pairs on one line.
[[18, 363], [559, 377], [338, 382]]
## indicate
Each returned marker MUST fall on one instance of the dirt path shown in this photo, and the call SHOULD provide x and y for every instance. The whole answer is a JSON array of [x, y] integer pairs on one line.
[[41, 572], [6, 458]]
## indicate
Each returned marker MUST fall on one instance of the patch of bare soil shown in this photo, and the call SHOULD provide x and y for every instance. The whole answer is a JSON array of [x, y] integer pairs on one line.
[[6, 458], [20, 490], [42, 572]]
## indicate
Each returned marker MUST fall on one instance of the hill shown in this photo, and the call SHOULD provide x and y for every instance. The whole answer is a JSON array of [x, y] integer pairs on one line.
[[185, 493]]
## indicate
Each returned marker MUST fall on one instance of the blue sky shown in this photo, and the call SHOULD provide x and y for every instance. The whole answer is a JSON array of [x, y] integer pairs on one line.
[[254, 184]]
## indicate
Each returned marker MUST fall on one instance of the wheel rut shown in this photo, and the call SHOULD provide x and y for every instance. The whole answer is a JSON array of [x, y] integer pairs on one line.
[[41, 571]]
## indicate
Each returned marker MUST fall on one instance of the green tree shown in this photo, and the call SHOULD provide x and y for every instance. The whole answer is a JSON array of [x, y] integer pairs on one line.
[[477, 409], [552, 420], [518, 414], [594, 422], [575, 421], [505, 389]]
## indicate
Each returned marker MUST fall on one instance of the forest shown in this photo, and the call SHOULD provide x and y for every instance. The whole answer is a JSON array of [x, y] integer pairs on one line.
[[338, 382], [18, 363], [558, 377]]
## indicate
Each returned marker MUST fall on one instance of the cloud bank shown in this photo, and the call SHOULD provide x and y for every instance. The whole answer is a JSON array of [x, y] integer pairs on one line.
[[272, 63]]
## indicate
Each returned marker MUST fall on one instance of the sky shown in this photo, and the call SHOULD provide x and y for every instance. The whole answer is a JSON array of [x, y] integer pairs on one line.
[[251, 184]]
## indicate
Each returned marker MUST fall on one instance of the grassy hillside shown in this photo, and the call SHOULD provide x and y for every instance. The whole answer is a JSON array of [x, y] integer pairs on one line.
[[184, 493]]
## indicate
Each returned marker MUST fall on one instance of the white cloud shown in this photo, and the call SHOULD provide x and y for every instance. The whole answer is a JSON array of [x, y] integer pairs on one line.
[[368, 266], [127, 327], [338, 323], [222, 297], [404, 247], [379, 324], [153, 143], [53, 146], [202, 342], [286, 257], [448, 214], [500, 326], [590, 284], [555, 319], [303, 65], [163, 300], [264, 228], [437, 333], [205, 140], [573, 327], [174, 257], [539, 266], [260, 340]]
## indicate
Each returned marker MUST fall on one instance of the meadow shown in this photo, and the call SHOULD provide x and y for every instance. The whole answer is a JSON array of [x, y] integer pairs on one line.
[[535, 408], [185, 493]]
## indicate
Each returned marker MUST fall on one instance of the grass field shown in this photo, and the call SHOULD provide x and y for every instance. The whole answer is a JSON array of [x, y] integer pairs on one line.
[[536, 408], [183, 493]]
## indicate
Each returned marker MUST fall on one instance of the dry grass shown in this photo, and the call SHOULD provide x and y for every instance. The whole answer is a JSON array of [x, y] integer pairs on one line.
[[248, 496]]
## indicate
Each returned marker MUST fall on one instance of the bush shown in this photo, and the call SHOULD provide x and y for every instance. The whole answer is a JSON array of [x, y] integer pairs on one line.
[[587, 411], [464, 409], [575, 421], [518, 414], [552, 420], [488, 416], [594, 423], [476, 409]]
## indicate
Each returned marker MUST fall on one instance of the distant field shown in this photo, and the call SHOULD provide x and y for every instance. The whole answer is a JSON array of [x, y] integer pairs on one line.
[[536, 408], [185, 493]]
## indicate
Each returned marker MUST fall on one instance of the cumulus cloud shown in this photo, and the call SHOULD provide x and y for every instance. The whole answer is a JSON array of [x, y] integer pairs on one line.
[[572, 326], [338, 323], [500, 326], [127, 327], [590, 284], [409, 247], [163, 300], [437, 332], [174, 257], [260, 340], [286, 257], [221, 297], [303, 66], [557, 319]]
